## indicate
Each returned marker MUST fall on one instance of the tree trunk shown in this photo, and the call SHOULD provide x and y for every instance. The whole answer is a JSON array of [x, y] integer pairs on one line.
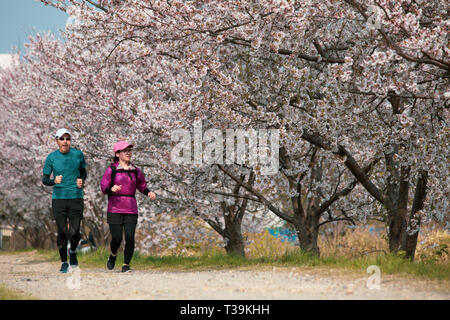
[[307, 228], [232, 236], [392, 199], [308, 240], [409, 243], [233, 215], [234, 239]]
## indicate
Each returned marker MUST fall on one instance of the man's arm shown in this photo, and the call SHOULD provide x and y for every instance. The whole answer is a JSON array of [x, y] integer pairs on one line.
[[47, 181], [81, 178], [47, 171], [83, 174]]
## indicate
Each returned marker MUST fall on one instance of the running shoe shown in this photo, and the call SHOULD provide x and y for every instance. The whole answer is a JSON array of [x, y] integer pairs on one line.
[[73, 258], [111, 262], [126, 268], [64, 267]]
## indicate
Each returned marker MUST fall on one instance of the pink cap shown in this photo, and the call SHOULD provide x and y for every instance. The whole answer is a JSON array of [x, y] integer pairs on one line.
[[121, 145]]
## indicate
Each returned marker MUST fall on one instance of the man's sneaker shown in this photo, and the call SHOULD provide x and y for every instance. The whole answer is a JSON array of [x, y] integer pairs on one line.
[[111, 262], [64, 267], [126, 268], [73, 258]]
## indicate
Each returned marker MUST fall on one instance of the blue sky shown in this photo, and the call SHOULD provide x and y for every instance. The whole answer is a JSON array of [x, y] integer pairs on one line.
[[21, 18]]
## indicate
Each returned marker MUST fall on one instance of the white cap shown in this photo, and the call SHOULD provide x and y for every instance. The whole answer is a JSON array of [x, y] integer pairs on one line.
[[61, 132]]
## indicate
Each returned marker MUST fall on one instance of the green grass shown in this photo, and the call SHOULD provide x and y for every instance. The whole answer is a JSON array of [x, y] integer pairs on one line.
[[392, 264], [3, 252], [10, 294], [389, 264]]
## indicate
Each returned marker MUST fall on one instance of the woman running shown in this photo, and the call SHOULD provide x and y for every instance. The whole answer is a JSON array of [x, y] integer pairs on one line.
[[119, 182]]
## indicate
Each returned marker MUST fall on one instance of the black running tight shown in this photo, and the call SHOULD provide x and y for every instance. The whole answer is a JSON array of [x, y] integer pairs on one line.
[[65, 234], [68, 214], [116, 233]]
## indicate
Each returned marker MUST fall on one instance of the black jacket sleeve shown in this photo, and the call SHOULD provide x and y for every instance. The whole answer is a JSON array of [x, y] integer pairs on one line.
[[83, 174], [47, 181]]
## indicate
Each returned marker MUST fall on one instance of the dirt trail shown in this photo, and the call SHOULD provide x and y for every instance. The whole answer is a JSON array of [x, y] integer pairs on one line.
[[29, 273]]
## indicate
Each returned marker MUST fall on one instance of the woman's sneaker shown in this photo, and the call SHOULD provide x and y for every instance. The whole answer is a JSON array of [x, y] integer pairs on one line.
[[126, 268], [64, 267], [111, 262]]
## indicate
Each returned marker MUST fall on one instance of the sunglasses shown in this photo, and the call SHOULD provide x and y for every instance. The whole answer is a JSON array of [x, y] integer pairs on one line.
[[126, 150], [64, 138]]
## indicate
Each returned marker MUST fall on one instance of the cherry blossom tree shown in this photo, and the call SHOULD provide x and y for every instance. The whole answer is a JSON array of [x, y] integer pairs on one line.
[[23, 198], [395, 80], [71, 101], [365, 82]]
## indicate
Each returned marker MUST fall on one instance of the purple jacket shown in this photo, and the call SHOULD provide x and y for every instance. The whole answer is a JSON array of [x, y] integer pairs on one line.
[[123, 201]]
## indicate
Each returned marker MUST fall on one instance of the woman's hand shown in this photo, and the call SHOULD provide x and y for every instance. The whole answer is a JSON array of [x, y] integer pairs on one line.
[[116, 188], [80, 183], [58, 179], [152, 195]]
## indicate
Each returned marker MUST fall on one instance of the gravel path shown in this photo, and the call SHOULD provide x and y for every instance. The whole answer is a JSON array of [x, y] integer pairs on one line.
[[29, 273]]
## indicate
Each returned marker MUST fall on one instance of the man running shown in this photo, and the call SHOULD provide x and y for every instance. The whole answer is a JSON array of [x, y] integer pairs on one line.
[[69, 171]]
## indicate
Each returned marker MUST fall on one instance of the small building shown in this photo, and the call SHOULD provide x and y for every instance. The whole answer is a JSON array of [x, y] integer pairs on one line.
[[10, 239]]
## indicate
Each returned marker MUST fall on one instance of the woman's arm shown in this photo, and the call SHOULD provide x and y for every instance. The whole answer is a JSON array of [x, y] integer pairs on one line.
[[141, 183]]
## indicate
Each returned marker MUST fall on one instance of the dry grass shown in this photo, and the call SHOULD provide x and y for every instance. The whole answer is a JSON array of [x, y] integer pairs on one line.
[[338, 241], [370, 241], [342, 241], [264, 244], [433, 246]]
